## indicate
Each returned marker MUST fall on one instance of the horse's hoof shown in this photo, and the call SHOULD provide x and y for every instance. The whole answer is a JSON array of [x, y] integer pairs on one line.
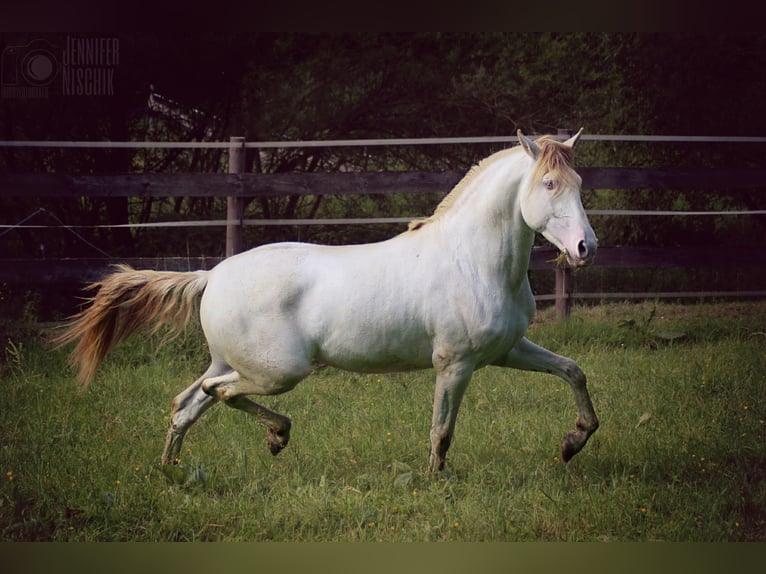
[[568, 449], [277, 443]]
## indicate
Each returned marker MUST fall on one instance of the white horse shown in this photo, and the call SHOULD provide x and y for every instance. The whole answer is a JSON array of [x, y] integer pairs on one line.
[[451, 293]]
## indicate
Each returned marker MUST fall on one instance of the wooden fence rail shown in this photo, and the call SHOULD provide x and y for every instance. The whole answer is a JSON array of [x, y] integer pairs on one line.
[[340, 183]]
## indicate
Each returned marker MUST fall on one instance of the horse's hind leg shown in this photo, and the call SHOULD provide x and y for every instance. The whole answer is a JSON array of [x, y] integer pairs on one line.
[[278, 425], [231, 388], [186, 408]]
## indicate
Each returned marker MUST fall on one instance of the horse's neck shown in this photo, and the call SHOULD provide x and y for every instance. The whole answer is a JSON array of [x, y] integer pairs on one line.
[[487, 228]]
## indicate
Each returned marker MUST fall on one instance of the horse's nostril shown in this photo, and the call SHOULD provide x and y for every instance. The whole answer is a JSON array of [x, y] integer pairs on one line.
[[582, 249]]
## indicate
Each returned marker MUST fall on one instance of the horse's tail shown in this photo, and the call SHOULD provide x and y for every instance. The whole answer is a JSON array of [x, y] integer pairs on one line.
[[127, 300]]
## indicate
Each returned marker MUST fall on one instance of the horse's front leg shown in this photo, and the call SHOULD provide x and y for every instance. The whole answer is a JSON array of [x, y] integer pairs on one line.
[[530, 357], [451, 381]]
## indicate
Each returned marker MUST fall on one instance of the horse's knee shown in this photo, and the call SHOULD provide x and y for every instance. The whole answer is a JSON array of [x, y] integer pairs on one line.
[[574, 375]]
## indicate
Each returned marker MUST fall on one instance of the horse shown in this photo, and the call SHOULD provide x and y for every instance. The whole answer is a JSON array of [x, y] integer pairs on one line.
[[450, 293]]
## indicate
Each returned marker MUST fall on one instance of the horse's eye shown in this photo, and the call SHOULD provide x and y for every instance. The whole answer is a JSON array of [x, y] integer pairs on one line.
[[548, 184]]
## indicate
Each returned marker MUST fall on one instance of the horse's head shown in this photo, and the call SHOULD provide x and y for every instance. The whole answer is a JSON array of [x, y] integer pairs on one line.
[[550, 202]]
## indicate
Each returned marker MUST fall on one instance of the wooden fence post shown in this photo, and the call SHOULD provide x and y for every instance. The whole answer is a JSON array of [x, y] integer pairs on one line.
[[563, 292], [234, 204], [563, 274]]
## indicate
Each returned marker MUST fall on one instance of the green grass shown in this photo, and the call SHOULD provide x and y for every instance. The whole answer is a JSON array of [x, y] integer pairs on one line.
[[680, 454]]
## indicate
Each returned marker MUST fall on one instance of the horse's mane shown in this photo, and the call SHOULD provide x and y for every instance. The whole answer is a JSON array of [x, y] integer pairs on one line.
[[555, 159]]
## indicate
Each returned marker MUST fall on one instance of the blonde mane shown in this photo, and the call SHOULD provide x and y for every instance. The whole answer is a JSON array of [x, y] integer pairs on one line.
[[555, 159], [457, 191]]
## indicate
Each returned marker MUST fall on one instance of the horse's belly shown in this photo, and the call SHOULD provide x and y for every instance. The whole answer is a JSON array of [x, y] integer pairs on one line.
[[371, 352], [362, 333]]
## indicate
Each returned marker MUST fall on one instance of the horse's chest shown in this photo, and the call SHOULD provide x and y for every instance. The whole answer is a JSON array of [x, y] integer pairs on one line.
[[487, 327], [496, 335]]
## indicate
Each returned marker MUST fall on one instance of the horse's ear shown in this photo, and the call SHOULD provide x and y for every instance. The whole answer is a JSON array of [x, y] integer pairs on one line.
[[572, 142], [529, 146]]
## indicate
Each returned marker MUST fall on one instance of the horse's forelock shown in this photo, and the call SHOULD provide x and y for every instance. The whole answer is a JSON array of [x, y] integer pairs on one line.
[[556, 159]]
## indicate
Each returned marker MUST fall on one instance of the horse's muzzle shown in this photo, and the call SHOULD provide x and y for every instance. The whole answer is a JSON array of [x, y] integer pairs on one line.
[[586, 253]]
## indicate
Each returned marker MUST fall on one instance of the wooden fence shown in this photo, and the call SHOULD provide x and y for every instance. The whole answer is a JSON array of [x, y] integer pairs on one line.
[[237, 185]]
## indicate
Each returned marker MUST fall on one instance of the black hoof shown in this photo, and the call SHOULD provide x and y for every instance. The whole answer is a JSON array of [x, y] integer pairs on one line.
[[568, 450], [276, 442]]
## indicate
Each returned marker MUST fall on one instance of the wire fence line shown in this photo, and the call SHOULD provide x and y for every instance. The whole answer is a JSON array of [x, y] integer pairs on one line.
[[331, 221], [367, 142]]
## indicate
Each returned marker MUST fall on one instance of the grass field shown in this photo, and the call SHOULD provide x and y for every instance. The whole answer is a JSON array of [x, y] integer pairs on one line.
[[680, 455]]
